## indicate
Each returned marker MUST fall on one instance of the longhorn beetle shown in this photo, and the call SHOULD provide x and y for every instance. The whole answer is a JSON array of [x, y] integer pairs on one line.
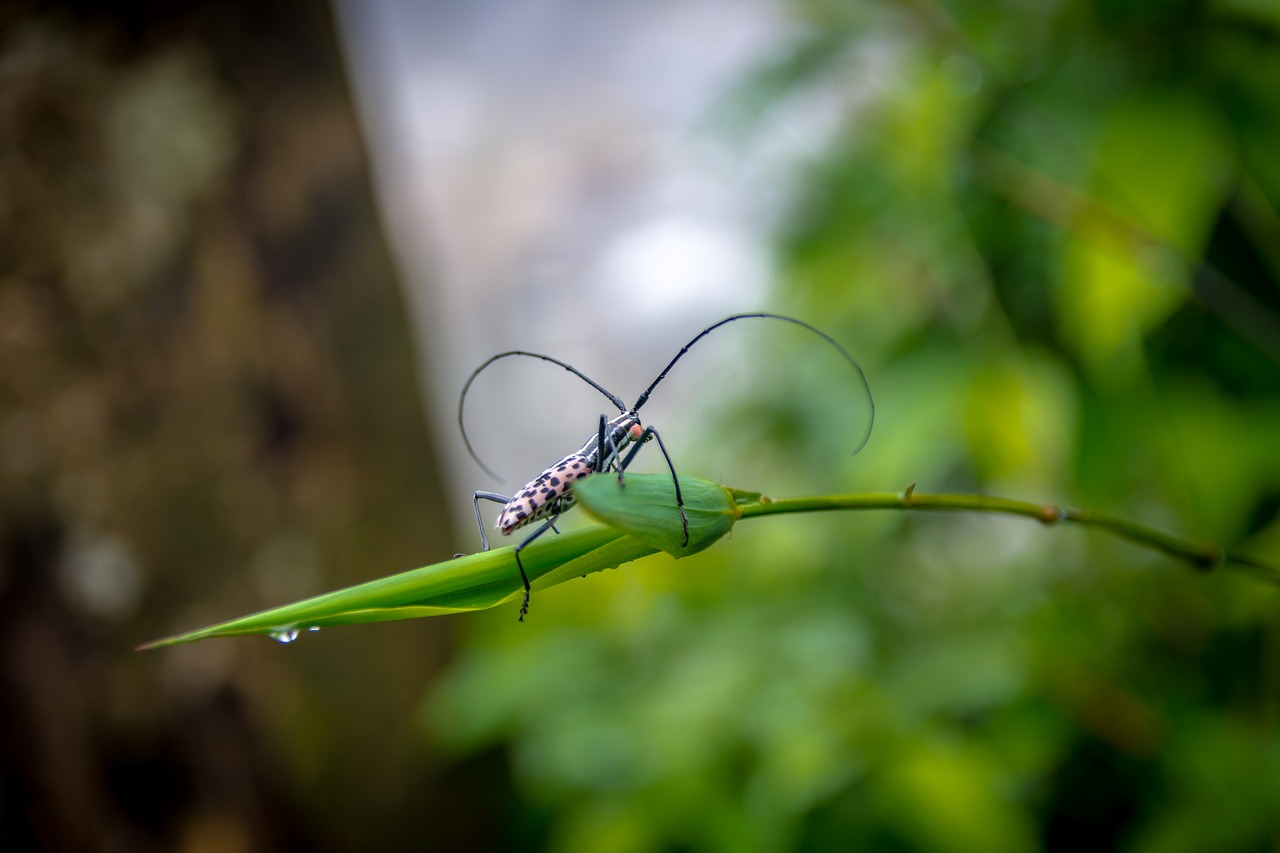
[[550, 494]]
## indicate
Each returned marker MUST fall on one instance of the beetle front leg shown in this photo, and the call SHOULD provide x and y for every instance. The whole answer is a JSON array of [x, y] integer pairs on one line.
[[675, 480], [610, 455]]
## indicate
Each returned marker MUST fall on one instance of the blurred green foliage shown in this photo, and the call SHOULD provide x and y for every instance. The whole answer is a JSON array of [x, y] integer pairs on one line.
[[1049, 231]]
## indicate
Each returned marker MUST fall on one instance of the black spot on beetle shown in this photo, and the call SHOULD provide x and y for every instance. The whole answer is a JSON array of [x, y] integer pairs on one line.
[[555, 481]]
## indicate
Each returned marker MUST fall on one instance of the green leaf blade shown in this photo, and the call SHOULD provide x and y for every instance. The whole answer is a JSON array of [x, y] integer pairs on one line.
[[463, 584]]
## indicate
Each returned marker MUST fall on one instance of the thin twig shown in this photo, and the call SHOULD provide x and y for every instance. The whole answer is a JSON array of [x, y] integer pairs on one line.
[[1204, 556]]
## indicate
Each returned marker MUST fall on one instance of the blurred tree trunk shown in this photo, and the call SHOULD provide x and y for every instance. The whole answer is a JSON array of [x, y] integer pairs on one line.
[[207, 405]]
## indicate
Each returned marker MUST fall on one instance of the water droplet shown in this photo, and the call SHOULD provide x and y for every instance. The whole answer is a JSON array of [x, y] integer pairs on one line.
[[314, 628], [284, 635]]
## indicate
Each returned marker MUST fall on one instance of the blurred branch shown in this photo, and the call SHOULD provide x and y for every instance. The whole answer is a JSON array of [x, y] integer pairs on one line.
[[1066, 207]]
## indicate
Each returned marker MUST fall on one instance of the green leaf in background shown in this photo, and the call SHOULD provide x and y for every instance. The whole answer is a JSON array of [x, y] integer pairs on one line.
[[1161, 176]]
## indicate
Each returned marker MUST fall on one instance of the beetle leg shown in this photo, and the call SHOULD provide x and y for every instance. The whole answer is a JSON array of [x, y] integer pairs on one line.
[[549, 525], [675, 481]]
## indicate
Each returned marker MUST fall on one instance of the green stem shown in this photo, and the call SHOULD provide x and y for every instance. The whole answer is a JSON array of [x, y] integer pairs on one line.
[[1203, 555]]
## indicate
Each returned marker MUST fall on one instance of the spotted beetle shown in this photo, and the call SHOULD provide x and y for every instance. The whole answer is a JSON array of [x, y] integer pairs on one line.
[[550, 494]]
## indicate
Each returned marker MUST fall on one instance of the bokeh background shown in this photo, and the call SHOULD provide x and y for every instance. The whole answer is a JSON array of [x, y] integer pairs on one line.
[[249, 253]]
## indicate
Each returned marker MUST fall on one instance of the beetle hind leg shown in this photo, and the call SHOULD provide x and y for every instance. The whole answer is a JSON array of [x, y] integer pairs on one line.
[[549, 525]]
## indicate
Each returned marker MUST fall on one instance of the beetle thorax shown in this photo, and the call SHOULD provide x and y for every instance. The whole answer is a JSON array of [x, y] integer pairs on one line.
[[619, 433]]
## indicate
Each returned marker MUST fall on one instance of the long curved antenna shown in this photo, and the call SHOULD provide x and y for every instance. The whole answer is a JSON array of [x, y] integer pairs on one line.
[[462, 398], [862, 377]]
